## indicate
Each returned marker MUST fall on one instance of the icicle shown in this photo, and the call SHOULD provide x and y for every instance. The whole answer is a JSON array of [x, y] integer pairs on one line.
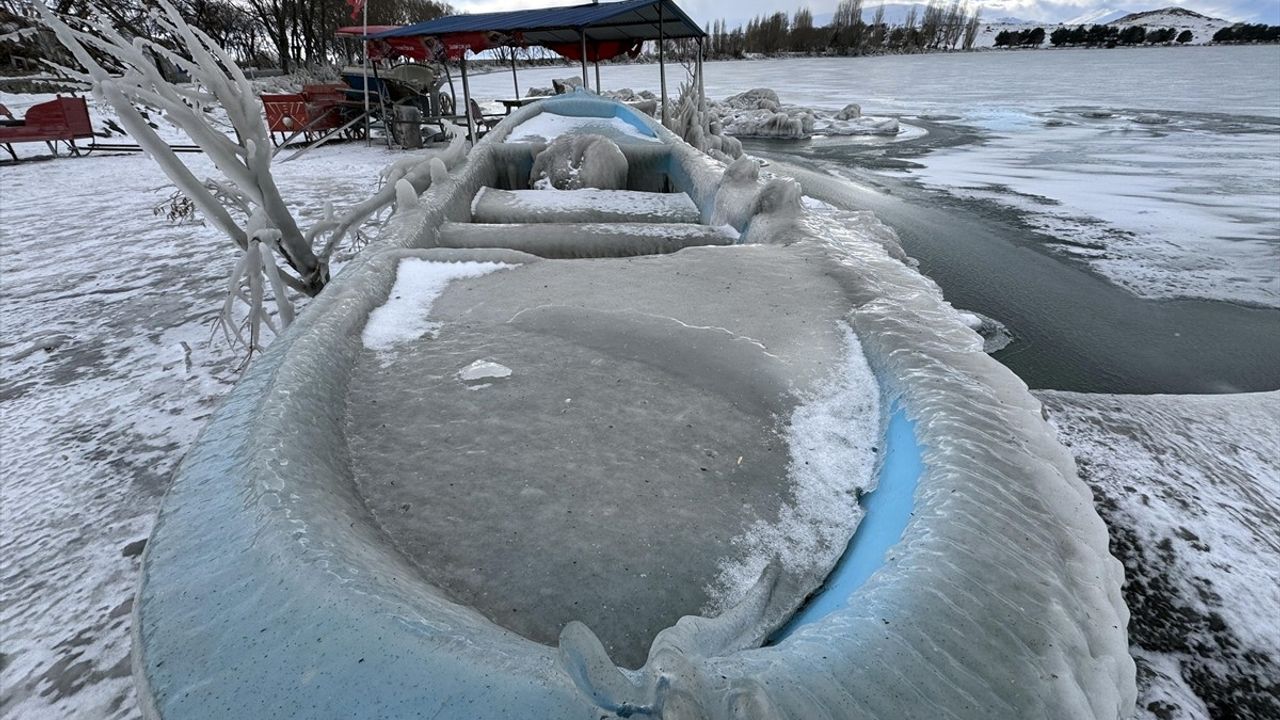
[[406, 196]]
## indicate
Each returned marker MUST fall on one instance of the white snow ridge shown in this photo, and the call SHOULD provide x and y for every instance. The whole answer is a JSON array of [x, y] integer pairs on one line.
[[403, 318]]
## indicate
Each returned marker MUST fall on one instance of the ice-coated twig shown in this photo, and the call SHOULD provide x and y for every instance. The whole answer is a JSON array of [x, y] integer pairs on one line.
[[417, 170], [245, 160]]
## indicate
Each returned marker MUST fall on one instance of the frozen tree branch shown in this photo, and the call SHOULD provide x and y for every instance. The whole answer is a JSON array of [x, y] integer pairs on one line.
[[247, 205], [245, 160]]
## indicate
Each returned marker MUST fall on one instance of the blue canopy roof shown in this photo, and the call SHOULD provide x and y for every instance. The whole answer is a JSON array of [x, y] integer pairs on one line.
[[627, 20]]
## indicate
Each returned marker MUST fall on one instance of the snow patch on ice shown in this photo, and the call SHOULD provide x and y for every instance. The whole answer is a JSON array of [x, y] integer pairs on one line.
[[403, 317], [483, 370], [832, 438]]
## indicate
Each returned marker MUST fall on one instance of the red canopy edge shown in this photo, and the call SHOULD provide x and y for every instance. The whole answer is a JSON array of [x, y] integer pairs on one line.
[[597, 49], [430, 48]]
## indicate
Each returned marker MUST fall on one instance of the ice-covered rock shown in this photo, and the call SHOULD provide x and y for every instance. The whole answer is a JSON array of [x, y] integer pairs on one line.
[[759, 114], [736, 194], [995, 334], [754, 99], [861, 126], [573, 162], [564, 85], [482, 370], [775, 213], [850, 111], [766, 124]]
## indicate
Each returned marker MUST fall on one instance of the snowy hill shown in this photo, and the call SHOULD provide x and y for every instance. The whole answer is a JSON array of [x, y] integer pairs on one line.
[[1100, 16], [1164, 17], [1202, 27], [1005, 20]]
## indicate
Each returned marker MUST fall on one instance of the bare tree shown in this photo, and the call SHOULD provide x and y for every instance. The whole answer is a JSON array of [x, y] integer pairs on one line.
[[971, 28], [268, 229]]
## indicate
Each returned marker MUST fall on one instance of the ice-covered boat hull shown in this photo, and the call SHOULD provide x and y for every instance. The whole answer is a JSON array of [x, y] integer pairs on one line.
[[270, 588]]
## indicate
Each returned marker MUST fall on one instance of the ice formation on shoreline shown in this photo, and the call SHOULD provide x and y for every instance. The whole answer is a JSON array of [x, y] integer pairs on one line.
[[1188, 486], [1169, 210], [758, 113]]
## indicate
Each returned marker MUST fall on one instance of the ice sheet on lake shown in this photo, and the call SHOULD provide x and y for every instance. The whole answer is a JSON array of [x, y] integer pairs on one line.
[[403, 318], [1179, 210], [546, 127]]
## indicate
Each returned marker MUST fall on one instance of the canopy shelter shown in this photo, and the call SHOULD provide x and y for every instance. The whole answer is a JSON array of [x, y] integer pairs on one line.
[[580, 32]]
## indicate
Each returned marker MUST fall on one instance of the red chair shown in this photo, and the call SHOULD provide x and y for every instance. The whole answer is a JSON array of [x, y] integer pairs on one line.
[[60, 120], [484, 123], [314, 111]]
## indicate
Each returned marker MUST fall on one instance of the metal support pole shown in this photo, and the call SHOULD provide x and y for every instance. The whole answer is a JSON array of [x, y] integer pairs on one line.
[[514, 80], [702, 93], [662, 60], [466, 100], [585, 83], [364, 11], [597, 75]]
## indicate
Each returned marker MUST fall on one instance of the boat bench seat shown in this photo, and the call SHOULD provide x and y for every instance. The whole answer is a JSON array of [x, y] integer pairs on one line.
[[564, 241], [588, 205]]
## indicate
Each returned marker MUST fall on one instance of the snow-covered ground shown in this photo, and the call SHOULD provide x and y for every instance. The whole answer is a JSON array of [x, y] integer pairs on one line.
[[1189, 486], [108, 374]]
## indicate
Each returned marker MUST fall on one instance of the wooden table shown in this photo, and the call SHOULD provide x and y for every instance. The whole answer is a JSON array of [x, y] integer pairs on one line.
[[510, 105]]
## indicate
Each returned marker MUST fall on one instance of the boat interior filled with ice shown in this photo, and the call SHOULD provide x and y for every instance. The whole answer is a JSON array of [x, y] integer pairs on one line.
[[603, 427]]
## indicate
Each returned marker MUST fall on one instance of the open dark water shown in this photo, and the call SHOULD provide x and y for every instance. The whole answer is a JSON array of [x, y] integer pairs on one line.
[[1072, 328]]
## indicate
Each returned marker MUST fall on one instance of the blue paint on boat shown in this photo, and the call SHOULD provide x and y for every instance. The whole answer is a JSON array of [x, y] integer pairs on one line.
[[582, 103], [632, 118], [887, 510]]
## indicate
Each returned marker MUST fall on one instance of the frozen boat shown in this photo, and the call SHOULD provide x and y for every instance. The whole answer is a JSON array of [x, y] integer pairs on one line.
[[670, 446]]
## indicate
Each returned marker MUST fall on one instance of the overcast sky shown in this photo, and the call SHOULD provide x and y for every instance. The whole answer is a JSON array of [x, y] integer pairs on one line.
[[1039, 10]]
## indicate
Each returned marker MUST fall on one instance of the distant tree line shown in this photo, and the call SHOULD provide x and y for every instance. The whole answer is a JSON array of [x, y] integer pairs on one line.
[[1108, 36], [1033, 37], [289, 34], [1245, 33], [941, 26]]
